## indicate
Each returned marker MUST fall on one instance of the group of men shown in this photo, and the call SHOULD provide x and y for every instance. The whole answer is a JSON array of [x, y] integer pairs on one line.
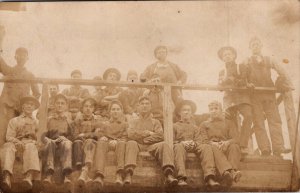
[[83, 127]]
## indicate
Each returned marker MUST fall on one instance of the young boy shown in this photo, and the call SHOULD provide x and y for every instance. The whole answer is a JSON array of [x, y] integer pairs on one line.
[[85, 139], [21, 137], [112, 136], [223, 136], [189, 138], [236, 102], [58, 141]]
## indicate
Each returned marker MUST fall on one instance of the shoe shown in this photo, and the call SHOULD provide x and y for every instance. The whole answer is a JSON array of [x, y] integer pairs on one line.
[[182, 182], [83, 178], [6, 181], [119, 179], [171, 181], [212, 183], [236, 175], [244, 151], [98, 182], [227, 178], [127, 180], [47, 181], [280, 151], [67, 180], [265, 153], [28, 181]]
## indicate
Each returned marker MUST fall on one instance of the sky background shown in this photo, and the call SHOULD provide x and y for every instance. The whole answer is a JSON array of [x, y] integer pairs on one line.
[[92, 36]]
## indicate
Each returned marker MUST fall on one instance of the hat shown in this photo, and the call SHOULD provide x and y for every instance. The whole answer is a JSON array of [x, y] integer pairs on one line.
[[59, 95], [30, 98], [144, 98], [186, 102], [131, 72], [74, 102], [221, 50], [115, 102], [109, 70], [160, 47], [76, 72], [94, 102], [215, 103]]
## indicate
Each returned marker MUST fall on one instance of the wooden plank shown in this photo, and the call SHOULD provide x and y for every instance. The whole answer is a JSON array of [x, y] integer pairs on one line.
[[43, 112], [168, 116]]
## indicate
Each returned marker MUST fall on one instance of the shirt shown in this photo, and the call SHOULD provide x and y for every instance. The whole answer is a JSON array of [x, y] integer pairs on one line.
[[115, 129], [130, 99], [59, 125], [21, 127], [87, 125], [75, 91]]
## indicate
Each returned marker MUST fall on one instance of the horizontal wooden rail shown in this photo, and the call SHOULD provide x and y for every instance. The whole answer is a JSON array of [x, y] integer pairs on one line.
[[88, 82]]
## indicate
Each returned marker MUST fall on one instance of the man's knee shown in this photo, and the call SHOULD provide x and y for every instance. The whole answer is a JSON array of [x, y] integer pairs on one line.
[[67, 144], [132, 143]]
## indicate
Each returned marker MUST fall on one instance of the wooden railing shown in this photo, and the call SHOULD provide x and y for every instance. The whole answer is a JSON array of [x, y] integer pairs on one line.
[[286, 97]]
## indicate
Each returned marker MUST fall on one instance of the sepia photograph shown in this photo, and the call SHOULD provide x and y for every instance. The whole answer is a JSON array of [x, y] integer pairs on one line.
[[150, 96]]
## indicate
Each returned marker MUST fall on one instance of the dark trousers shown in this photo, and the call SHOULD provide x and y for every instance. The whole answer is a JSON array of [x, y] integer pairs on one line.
[[204, 153], [264, 106], [246, 111], [229, 159], [83, 152], [64, 151], [101, 154], [161, 151]]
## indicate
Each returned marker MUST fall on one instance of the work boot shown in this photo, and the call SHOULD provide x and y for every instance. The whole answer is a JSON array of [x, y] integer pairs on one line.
[[67, 180], [182, 182], [83, 178], [244, 151], [6, 181], [171, 181], [119, 179], [227, 178], [28, 181], [236, 175], [127, 180], [211, 182], [47, 181], [278, 152], [98, 182]]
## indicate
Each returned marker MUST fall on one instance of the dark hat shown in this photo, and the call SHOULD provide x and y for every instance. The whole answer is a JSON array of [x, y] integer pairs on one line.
[[115, 102], [94, 102], [30, 98], [160, 47], [109, 70], [60, 96], [186, 102], [215, 103], [74, 102], [221, 50], [144, 98], [76, 72]]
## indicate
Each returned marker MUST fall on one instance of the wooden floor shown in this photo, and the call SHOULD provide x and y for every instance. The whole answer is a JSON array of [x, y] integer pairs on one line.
[[258, 174]]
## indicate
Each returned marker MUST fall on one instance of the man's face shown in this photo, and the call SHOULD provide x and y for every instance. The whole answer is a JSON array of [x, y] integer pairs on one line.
[[28, 107], [161, 54], [21, 58], [88, 108], [112, 76], [228, 56], [132, 78], [186, 112], [115, 111], [215, 111], [145, 106], [53, 90], [76, 76], [155, 80], [60, 105], [255, 47]]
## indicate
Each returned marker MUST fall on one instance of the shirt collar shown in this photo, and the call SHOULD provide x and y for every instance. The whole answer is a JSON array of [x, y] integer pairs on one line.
[[23, 116], [88, 118], [119, 120], [162, 65], [187, 122], [147, 116]]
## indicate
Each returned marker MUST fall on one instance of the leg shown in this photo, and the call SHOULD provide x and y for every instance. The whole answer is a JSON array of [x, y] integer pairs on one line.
[[101, 151], [131, 153], [234, 155], [206, 156], [49, 151], [78, 154], [246, 111], [259, 125], [31, 160], [180, 158], [222, 164], [120, 152], [89, 147], [66, 160], [8, 158]]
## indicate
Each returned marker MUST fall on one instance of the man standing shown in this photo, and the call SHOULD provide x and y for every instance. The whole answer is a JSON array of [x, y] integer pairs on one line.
[[21, 137], [53, 90], [189, 138], [76, 90], [236, 101], [146, 134], [263, 102], [13, 92], [168, 72], [58, 141], [223, 136]]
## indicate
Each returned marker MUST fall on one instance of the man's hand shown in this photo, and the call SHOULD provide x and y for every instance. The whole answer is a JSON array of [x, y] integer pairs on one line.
[[150, 133], [19, 145], [224, 145], [250, 85], [60, 139], [188, 145], [113, 143], [103, 138], [216, 144]]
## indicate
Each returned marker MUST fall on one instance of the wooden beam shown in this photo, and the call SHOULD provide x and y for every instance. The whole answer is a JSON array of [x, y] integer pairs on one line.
[[43, 112], [168, 116]]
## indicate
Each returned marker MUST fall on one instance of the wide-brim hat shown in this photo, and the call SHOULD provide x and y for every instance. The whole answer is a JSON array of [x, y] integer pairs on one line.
[[30, 98], [114, 70], [221, 50], [186, 102]]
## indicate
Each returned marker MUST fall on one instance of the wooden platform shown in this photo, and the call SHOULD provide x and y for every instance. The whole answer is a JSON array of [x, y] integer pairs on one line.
[[259, 174]]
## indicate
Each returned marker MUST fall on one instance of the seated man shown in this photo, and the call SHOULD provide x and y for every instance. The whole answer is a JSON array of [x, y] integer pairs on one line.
[[146, 134], [112, 136], [21, 138], [57, 141], [85, 139], [223, 136], [189, 138]]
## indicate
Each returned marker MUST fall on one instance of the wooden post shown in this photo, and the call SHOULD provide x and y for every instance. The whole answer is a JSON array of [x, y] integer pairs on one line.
[[168, 116], [43, 112]]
